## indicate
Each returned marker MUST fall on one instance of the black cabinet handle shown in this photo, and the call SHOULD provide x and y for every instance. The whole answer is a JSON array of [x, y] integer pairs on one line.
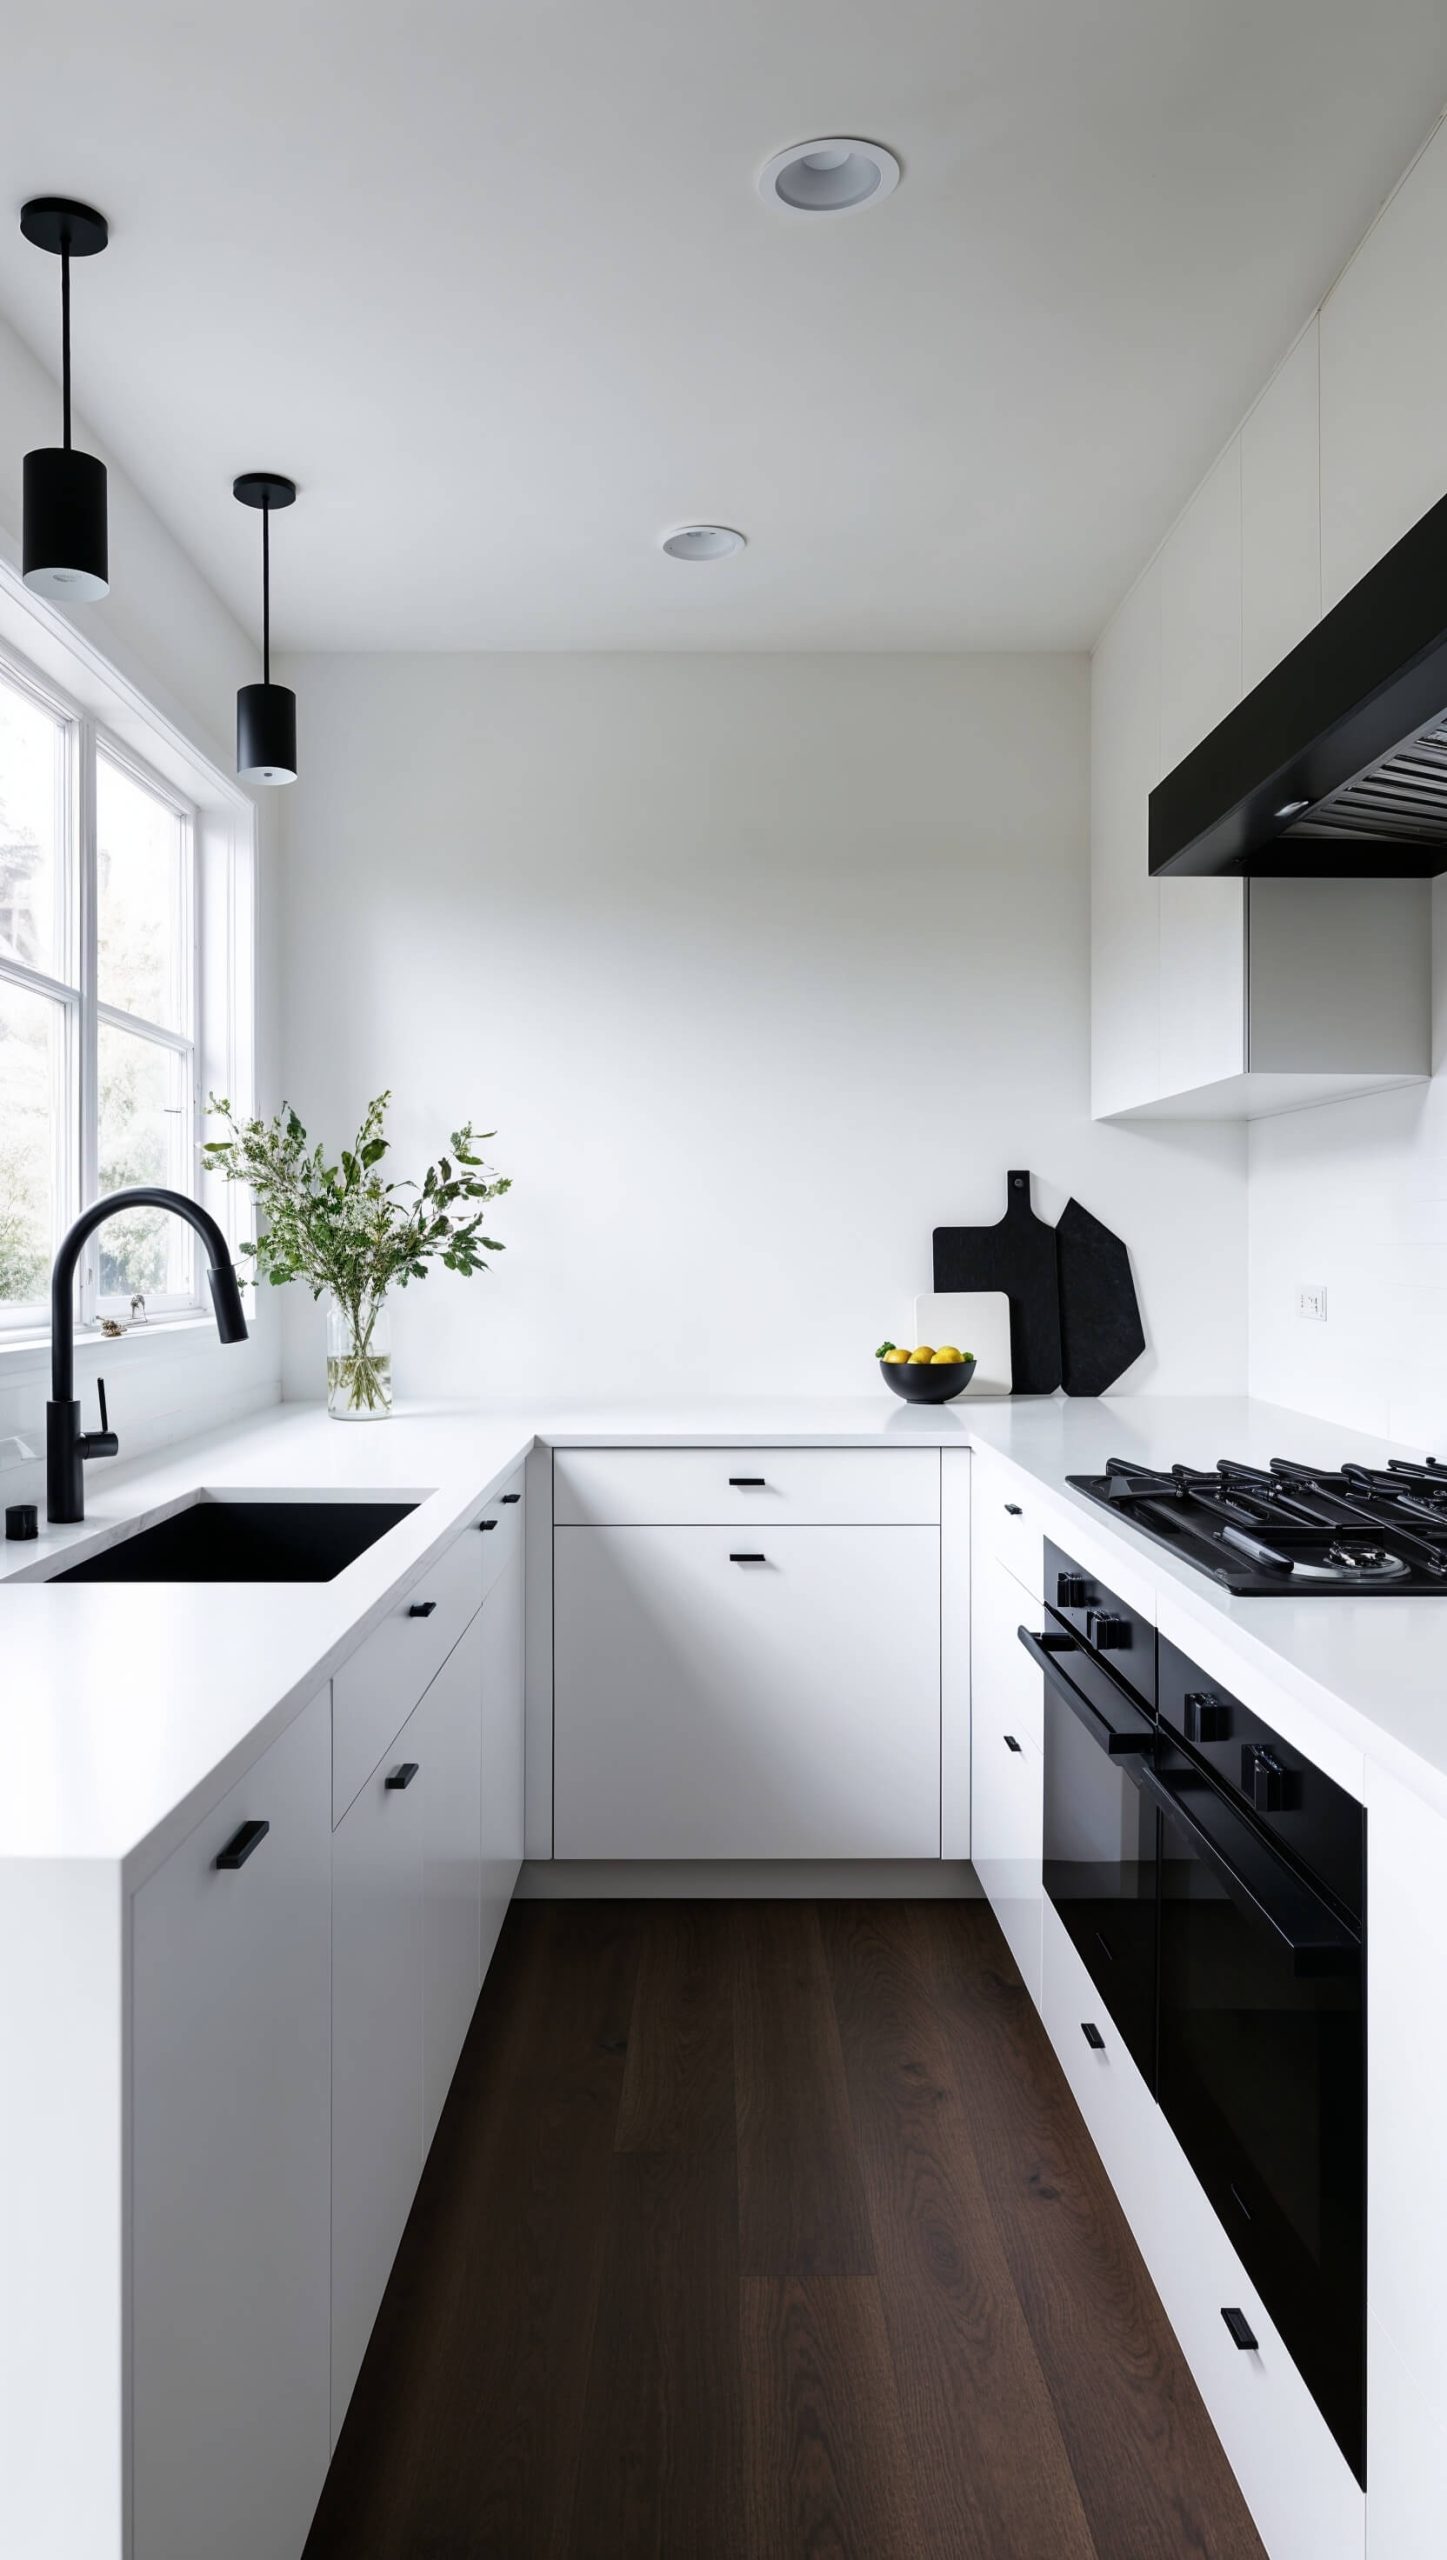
[[402, 1776], [1092, 2035], [240, 1845], [748, 1559], [487, 1524], [421, 1608], [512, 1497], [1010, 1742], [1242, 2333], [758, 1480], [1014, 1510]]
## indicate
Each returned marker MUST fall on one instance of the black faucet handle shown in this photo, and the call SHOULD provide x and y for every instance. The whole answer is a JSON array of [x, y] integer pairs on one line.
[[102, 1443]]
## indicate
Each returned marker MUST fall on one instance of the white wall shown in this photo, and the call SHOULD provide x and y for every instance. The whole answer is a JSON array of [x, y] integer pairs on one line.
[[168, 634], [1344, 450], [761, 966]]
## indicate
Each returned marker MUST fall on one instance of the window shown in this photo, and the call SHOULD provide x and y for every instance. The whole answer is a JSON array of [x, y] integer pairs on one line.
[[99, 1036]]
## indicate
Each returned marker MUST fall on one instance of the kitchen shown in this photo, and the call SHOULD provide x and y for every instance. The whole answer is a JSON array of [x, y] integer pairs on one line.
[[535, 2155]]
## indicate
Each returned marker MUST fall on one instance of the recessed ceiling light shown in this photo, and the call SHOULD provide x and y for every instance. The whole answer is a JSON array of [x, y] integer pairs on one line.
[[1292, 808], [836, 175], [703, 542]]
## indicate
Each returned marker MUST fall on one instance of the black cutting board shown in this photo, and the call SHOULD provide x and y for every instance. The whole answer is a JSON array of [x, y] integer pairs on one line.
[[1100, 1321], [1017, 1256]]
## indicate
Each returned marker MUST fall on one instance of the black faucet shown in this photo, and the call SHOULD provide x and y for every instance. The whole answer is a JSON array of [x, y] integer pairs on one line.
[[66, 1446]]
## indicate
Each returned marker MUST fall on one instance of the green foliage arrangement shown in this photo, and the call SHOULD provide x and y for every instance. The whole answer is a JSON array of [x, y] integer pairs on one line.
[[342, 1227]]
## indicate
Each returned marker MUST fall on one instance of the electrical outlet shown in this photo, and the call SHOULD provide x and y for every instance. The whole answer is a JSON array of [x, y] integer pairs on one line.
[[1311, 1300]]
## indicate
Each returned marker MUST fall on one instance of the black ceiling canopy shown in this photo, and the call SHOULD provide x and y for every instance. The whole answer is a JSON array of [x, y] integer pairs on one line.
[[1335, 765]]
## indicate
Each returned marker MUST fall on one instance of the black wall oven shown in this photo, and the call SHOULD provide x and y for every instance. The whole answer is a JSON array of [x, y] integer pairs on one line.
[[1213, 1883], [1262, 2033], [1099, 1661]]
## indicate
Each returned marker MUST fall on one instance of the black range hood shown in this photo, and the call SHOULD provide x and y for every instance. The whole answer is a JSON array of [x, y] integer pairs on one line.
[[1335, 767]]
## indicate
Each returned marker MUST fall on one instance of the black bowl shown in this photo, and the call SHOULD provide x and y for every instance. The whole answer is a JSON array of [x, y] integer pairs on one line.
[[926, 1383]]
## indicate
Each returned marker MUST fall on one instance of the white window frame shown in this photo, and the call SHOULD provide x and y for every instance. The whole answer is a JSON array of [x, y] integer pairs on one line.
[[48, 658]]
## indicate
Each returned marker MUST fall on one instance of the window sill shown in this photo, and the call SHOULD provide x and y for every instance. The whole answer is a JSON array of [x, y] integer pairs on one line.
[[25, 1354]]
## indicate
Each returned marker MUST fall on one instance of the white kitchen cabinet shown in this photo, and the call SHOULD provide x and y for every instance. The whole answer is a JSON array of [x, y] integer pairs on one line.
[[1216, 998], [445, 1738], [1384, 381], [501, 1666], [230, 2118], [1300, 2489], [1200, 566], [1125, 766], [746, 1488], [1406, 2107], [1281, 512], [1007, 1762], [378, 1853], [783, 1706]]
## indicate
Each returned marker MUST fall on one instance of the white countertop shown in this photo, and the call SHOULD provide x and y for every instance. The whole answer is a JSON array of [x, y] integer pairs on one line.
[[123, 1719]]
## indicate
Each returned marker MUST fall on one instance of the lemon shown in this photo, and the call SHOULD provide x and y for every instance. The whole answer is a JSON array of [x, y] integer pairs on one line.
[[924, 1352], [895, 1359], [948, 1353]]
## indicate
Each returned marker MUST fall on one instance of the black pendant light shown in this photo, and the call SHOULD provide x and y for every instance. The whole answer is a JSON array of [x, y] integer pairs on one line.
[[63, 551], [265, 712]]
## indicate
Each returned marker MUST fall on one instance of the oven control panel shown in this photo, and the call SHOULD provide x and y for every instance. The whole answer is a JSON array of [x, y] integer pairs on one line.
[[1102, 1620], [1313, 1818]]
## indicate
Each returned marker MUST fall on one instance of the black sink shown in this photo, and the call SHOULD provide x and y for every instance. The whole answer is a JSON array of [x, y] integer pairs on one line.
[[244, 1542]]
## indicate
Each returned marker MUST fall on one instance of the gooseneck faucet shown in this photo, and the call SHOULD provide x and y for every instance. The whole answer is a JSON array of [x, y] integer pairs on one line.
[[66, 1446]]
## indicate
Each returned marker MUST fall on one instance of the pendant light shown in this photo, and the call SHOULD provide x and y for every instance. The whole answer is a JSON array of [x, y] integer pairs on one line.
[[63, 548], [265, 712]]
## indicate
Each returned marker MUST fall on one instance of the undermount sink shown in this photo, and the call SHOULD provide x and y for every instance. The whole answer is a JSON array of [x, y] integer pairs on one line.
[[216, 1540]]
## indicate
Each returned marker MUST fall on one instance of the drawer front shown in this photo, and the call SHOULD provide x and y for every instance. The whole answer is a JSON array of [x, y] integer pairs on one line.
[[377, 1688], [500, 1530], [1300, 2491], [1007, 1524], [746, 1488], [787, 1706], [1005, 1823]]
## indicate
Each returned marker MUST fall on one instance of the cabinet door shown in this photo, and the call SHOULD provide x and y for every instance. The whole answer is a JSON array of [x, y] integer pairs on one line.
[[445, 1738], [1007, 1766], [230, 1992], [783, 1706], [501, 1626], [377, 1994]]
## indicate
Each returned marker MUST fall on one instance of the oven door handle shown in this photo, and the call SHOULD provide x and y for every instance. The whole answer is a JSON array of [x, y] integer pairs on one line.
[[1266, 1890], [1117, 1740]]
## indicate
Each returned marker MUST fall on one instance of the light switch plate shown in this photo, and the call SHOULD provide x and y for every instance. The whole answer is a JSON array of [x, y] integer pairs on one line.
[[1311, 1300]]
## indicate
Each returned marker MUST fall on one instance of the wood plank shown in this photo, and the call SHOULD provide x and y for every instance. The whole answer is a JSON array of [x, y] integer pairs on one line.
[[827, 2473], [1152, 2476], [678, 2086], [801, 2199], [971, 2390], [661, 2473], [465, 2428]]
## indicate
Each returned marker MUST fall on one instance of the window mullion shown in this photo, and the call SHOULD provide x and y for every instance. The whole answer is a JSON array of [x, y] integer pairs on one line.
[[88, 1062]]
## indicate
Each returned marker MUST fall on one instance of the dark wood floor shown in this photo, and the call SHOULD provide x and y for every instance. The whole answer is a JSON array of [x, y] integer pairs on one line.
[[769, 2231]]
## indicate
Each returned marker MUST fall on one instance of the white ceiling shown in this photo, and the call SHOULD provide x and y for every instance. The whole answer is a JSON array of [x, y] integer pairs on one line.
[[494, 284]]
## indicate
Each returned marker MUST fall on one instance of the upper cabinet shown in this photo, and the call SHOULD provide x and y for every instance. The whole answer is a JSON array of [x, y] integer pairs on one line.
[[1217, 998], [1384, 380], [1281, 513]]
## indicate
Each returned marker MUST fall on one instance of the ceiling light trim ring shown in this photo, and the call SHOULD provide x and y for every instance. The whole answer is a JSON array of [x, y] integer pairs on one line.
[[835, 173], [704, 542]]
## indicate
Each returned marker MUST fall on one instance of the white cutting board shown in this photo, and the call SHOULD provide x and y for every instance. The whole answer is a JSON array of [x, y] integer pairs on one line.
[[975, 1320]]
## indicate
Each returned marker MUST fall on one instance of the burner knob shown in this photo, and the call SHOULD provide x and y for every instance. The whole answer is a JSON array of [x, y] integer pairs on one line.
[[1208, 1718], [1263, 1778], [1071, 1591], [1107, 1632]]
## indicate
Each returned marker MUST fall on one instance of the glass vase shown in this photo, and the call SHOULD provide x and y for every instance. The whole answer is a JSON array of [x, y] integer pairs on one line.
[[359, 1360]]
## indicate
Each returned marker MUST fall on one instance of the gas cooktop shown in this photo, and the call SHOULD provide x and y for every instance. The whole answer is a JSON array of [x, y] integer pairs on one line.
[[1289, 1528]]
